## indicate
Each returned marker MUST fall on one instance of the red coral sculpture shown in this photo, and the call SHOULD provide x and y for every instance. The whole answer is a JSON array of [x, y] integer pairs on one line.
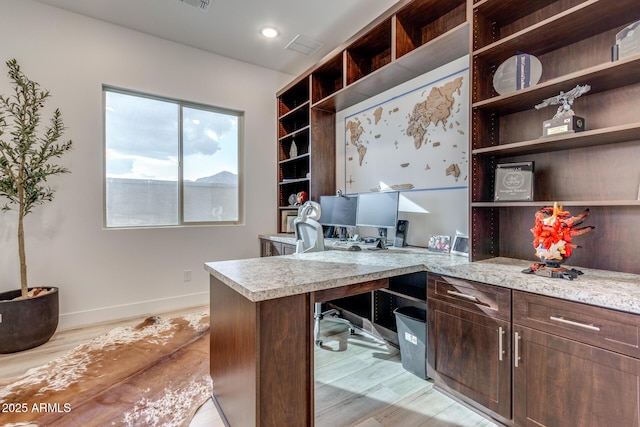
[[552, 234], [553, 231]]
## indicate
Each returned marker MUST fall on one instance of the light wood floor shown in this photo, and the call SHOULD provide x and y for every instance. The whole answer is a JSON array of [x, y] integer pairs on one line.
[[359, 381]]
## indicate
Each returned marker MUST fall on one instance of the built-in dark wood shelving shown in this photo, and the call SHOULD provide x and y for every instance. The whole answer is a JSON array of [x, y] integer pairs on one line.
[[369, 52], [561, 29], [294, 121], [328, 78], [589, 138], [286, 181], [498, 13], [540, 203], [293, 159], [294, 110], [410, 39], [440, 51], [593, 169], [294, 98], [403, 295], [420, 22], [602, 77]]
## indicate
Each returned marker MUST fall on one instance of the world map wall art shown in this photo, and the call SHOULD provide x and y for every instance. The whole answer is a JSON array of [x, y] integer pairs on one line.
[[420, 138]]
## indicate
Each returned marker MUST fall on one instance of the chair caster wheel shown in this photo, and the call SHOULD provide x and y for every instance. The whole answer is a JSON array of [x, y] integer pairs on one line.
[[319, 343], [352, 331]]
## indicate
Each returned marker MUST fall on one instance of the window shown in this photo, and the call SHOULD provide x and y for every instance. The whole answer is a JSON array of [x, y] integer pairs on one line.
[[169, 162]]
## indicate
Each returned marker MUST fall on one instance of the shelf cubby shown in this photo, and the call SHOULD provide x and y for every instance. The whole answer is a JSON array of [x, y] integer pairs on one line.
[[422, 21], [294, 169], [495, 20], [602, 77], [294, 98], [560, 29], [589, 138], [328, 78], [288, 188], [369, 53], [301, 139], [384, 304], [294, 121]]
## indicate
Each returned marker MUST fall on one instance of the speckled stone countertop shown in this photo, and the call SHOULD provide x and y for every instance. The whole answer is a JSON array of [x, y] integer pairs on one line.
[[266, 278]]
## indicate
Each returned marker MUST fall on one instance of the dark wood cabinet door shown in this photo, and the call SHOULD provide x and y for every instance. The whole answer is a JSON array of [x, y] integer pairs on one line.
[[288, 249], [271, 248], [469, 354], [560, 382]]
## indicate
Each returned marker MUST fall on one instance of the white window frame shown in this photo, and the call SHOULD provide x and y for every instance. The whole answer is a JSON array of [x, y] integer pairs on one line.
[[181, 104]]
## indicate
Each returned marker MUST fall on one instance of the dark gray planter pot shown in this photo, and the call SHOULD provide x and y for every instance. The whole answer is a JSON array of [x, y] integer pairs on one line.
[[27, 323]]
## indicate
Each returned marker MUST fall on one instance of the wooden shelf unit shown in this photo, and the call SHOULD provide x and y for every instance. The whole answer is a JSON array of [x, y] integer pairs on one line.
[[572, 39], [311, 167], [410, 39], [407, 41]]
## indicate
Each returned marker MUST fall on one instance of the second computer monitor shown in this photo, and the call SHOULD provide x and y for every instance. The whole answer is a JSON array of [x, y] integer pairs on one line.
[[338, 211], [378, 209]]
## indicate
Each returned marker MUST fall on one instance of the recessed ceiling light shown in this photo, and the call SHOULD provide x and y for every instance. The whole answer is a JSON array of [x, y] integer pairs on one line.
[[269, 32]]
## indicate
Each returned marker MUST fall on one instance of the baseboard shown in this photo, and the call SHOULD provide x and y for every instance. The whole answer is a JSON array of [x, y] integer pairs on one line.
[[125, 311]]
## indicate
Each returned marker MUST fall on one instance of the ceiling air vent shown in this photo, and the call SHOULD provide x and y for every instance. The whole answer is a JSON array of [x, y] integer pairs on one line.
[[304, 45], [200, 4]]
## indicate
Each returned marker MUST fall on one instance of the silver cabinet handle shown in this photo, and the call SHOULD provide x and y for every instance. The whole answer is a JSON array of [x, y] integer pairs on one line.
[[465, 296], [572, 323], [500, 338], [516, 356]]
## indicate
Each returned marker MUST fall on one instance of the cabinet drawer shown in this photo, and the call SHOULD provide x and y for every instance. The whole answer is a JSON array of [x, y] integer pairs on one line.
[[478, 297], [601, 327]]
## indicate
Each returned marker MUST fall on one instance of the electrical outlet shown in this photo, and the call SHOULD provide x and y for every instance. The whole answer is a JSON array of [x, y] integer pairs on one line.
[[187, 275]]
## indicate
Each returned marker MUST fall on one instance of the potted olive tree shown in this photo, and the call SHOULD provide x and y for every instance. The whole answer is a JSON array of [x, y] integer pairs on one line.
[[28, 151]]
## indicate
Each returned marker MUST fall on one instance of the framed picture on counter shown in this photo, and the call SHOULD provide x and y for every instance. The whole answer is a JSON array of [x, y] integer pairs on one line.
[[439, 243], [460, 245], [286, 220]]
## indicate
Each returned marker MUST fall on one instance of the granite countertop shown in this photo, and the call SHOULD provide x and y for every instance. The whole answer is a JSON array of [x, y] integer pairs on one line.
[[266, 278]]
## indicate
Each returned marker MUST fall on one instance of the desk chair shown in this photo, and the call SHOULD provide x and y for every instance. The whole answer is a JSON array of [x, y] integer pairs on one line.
[[308, 230], [309, 238]]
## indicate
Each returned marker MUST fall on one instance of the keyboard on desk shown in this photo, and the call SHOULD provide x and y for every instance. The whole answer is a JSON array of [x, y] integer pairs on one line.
[[346, 244]]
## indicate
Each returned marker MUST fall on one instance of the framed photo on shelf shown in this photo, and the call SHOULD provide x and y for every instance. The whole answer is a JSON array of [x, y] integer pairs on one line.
[[286, 220], [439, 243], [460, 245]]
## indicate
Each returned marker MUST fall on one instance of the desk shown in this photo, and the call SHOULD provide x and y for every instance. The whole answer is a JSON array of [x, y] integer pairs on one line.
[[263, 360], [261, 317]]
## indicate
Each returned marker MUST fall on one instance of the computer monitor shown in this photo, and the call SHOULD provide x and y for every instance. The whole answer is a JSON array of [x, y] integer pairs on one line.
[[378, 209], [339, 211]]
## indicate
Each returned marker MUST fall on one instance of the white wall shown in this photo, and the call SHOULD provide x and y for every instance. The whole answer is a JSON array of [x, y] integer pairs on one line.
[[107, 274]]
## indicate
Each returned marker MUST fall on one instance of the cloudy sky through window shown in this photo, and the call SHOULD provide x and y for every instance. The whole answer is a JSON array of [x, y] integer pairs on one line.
[[142, 137]]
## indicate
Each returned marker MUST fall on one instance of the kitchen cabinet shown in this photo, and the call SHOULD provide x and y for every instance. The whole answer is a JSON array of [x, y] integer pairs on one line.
[[273, 248], [468, 342], [574, 364]]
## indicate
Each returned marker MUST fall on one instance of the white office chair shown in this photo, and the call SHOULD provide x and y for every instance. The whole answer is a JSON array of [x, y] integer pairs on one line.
[[309, 238], [308, 230]]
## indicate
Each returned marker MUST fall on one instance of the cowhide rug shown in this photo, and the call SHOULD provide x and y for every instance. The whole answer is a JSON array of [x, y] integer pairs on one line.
[[152, 374]]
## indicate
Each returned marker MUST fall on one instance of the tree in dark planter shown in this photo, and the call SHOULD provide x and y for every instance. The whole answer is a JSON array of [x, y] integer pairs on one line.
[[29, 316]]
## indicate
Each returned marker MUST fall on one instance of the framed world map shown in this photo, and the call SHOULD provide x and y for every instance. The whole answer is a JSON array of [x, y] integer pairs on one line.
[[414, 140]]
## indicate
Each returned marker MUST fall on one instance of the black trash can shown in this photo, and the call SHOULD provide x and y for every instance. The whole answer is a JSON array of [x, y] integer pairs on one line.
[[412, 336]]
